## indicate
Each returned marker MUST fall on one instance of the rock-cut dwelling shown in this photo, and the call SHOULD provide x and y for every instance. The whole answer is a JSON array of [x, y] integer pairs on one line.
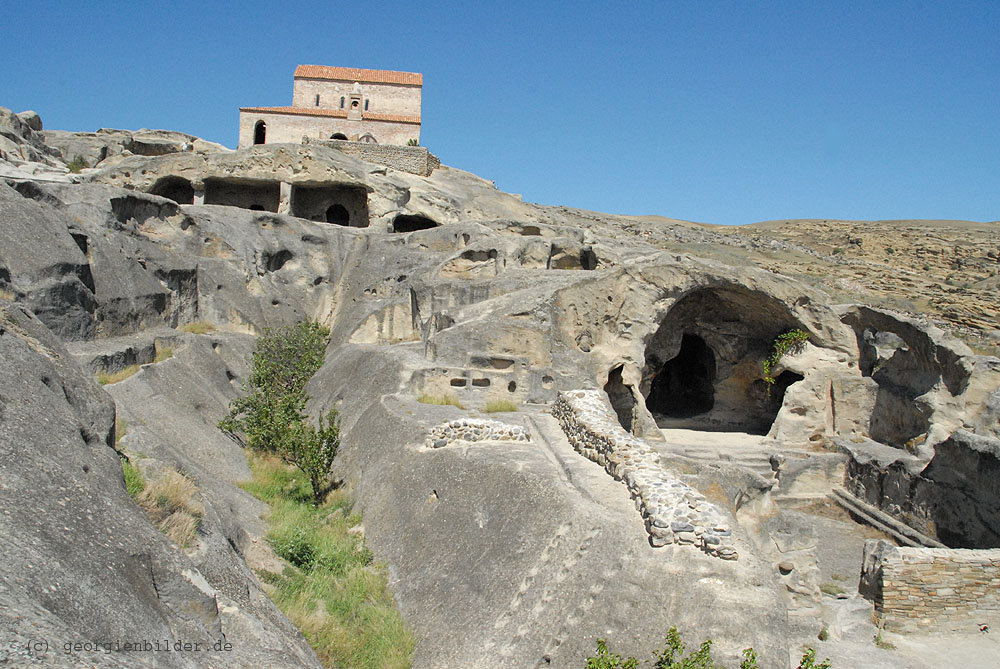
[[374, 106]]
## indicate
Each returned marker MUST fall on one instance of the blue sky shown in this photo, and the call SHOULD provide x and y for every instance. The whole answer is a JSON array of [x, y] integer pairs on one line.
[[721, 112]]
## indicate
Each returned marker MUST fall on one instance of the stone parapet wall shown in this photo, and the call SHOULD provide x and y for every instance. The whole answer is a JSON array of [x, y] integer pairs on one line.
[[674, 512], [475, 429], [413, 159], [933, 589]]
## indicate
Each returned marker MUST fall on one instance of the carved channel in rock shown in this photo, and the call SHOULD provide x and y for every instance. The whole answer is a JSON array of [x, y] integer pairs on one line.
[[252, 194], [339, 205]]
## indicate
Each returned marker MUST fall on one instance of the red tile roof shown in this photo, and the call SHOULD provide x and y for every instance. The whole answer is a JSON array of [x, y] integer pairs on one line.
[[357, 74], [335, 113]]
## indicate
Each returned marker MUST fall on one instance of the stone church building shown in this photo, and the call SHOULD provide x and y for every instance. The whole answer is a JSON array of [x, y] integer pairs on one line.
[[374, 106]]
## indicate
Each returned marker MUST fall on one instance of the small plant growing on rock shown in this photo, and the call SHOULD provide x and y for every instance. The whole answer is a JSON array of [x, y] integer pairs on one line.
[[786, 342], [673, 657], [134, 482], [412, 142], [77, 164], [809, 661], [605, 659]]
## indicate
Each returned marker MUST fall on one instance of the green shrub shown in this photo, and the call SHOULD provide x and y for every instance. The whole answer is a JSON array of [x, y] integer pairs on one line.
[[412, 142], [605, 659], [783, 343], [809, 661], [77, 164]]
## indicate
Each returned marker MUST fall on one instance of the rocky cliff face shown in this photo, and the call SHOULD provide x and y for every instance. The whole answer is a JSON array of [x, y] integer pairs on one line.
[[512, 553]]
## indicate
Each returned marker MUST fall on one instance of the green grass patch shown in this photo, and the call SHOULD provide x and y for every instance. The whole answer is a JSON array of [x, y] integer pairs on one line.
[[106, 379], [449, 400], [332, 592], [198, 327], [134, 481], [500, 406], [163, 354]]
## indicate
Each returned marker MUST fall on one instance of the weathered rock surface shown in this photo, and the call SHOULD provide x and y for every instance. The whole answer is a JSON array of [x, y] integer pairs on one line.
[[501, 551], [82, 564], [106, 145]]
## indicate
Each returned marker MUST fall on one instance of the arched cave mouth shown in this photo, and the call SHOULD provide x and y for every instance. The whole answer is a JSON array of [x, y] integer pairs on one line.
[[177, 189], [412, 223], [703, 365], [338, 215], [685, 385]]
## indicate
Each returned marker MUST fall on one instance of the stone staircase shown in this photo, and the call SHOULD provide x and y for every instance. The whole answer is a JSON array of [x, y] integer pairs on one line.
[[757, 461]]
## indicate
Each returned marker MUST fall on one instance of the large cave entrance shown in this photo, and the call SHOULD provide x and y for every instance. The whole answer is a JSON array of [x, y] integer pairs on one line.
[[684, 386], [703, 366]]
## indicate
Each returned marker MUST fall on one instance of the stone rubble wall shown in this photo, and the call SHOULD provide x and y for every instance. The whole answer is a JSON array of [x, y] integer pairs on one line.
[[674, 511], [413, 159], [934, 589], [475, 429]]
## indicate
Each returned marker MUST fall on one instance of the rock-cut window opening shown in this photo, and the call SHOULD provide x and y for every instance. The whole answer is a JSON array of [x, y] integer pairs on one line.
[[685, 384], [412, 222], [338, 135], [259, 132]]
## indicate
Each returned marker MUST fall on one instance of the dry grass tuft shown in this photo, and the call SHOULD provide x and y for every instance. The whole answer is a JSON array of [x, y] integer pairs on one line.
[[122, 374], [198, 327], [441, 400], [172, 503], [163, 354], [500, 406]]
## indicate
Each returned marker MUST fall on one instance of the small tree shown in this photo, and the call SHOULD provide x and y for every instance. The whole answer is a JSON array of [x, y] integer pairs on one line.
[[272, 415], [312, 450]]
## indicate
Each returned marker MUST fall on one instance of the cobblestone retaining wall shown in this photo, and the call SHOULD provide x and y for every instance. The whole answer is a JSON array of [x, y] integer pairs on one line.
[[475, 429], [674, 511], [933, 589], [413, 159]]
